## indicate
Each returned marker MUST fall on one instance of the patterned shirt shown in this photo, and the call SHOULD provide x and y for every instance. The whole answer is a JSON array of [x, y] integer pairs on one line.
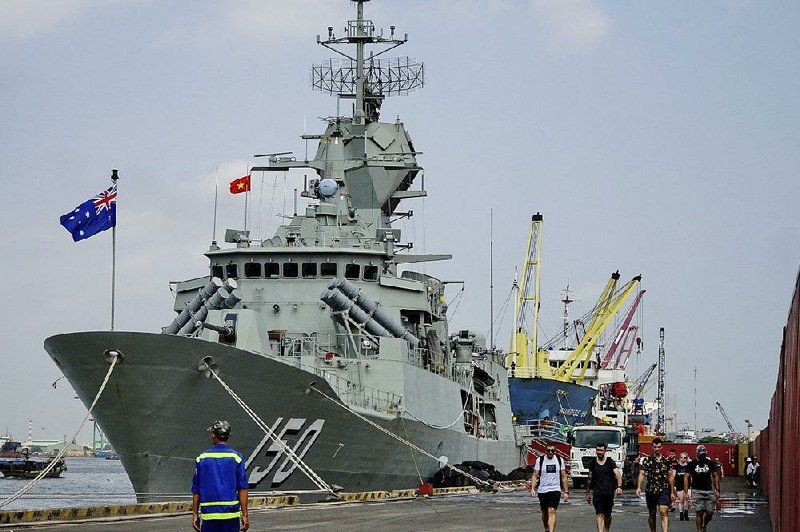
[[657, 474]]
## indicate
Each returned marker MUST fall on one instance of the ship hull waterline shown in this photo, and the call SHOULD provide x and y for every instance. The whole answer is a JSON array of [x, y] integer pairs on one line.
[[157, 406]]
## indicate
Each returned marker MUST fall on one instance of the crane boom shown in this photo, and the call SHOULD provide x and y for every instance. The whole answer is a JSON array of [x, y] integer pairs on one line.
[[521, 359], [727, 419], [623, 338], [661, 382], [606, 309], [638, 387]]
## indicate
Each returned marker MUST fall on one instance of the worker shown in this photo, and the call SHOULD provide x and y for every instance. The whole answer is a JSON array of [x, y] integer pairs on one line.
[[219, 486]]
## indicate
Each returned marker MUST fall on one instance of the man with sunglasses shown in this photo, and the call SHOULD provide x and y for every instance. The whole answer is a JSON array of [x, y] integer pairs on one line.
[[549, 472], [660, 491], [605, 480]]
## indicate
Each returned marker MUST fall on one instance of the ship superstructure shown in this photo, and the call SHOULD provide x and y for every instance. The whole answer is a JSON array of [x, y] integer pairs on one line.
[[321, 306]]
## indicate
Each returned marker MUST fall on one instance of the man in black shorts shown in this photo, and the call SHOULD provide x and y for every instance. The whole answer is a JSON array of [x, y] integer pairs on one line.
[[660, 490], [605, 480], [549, 475]]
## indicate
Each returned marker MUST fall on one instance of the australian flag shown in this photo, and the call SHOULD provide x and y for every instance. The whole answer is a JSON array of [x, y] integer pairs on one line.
[[92, 216]]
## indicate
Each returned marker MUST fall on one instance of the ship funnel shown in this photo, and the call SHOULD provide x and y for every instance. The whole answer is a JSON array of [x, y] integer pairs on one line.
[[194, 305]]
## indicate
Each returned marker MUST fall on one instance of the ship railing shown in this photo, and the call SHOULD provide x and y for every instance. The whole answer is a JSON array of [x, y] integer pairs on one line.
[[544, 429], [528, 373], [325, 346], [426, 359], [362, 396]]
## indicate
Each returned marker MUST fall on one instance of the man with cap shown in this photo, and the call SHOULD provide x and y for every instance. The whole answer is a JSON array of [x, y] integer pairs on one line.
[[705, 487], [219, 486]]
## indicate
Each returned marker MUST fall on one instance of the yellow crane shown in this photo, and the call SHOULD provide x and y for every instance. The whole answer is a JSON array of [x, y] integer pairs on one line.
[[607, 307], [520, 360]]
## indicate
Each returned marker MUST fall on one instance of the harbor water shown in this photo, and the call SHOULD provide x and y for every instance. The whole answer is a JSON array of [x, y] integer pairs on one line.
[[88, 481]]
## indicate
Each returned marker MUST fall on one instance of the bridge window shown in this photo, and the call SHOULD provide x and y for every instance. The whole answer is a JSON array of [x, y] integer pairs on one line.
[[232, 271], [352, 271], [290, 270], [272, 269], [370, 273], [252, 269], [328, 269], [217, 271], [309, 270]]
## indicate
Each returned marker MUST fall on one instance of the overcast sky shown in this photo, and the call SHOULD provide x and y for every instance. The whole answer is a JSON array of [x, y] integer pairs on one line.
[[656, 138]]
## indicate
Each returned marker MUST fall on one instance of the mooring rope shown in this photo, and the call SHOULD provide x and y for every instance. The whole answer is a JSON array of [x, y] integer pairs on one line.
[[316, 479], [63, 451], [398, 438]]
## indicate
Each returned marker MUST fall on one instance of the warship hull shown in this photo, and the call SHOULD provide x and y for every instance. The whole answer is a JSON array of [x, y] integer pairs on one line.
[[158, 404], [538, 398]]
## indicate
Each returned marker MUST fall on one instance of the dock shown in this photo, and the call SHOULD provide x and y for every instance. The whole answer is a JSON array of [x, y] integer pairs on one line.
[[514, 510]]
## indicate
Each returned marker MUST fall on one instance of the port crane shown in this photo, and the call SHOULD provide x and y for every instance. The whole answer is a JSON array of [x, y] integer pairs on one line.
[[521, 360], [639, 385], [734, 434], [624, 340], [607, 307], [661, 421]]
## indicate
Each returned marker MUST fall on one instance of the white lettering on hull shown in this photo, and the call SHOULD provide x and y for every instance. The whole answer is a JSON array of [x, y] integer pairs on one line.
[[290, 435]]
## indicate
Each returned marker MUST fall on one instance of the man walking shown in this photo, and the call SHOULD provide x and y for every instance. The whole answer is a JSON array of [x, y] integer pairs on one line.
[[756, 473], [682, 495], [705, 487], [219, 486], [605, 480], [660, 486], [549, 472]]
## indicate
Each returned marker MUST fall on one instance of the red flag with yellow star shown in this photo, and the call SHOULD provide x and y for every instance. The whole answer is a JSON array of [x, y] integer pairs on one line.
[[240, 185]]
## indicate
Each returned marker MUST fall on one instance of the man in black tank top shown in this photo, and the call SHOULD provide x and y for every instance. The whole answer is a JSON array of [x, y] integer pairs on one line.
[[605, 480]]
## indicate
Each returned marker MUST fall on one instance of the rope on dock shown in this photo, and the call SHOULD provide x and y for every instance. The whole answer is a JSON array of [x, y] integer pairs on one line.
[[398, 438], [114, 358], [315, 478]]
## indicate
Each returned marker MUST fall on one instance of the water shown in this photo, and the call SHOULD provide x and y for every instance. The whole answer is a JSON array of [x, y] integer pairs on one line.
[[87, 482]]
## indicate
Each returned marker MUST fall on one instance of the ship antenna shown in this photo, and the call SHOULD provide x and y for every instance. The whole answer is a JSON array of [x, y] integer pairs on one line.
[[368, 81]]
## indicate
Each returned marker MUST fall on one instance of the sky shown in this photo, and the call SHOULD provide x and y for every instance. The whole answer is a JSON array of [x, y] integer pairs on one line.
[[658, 139]]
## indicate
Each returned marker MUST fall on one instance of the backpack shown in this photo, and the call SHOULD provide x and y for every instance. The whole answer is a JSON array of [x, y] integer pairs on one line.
[[541, 466]]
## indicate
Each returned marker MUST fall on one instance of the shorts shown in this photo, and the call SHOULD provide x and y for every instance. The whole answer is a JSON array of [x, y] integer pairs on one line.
[[603, 502], [654, 500], [704, 500], [549, 499], [220, 525]]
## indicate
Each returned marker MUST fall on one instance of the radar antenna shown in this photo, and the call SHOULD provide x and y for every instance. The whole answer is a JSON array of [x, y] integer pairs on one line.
[[368, 80]]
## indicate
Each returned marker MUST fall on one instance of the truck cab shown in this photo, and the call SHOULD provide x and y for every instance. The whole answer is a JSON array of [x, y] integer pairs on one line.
[[622, 445]]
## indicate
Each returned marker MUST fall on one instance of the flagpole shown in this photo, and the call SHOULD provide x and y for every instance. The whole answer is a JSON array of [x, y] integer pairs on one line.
[[114, 179], [216, 196]]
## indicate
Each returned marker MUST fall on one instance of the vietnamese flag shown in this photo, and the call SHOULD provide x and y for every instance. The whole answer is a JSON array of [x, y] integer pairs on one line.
[[240, 185]]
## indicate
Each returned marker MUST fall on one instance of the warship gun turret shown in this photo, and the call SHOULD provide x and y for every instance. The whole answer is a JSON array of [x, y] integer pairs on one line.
[[322, 306]]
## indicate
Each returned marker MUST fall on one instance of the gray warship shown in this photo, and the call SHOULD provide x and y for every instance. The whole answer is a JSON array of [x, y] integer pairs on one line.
[[329, 304]]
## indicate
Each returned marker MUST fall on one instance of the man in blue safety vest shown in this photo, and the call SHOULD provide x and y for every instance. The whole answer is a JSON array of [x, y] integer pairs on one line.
[[219, 486]]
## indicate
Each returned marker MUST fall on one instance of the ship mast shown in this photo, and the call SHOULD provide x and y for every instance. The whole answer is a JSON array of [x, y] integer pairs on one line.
[[368, 80], [361, 32]]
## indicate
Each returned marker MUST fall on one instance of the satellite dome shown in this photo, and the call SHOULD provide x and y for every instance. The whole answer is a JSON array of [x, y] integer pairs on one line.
[[328, 187]]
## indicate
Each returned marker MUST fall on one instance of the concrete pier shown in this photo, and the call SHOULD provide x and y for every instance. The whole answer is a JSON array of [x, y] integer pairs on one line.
[[741, 510]]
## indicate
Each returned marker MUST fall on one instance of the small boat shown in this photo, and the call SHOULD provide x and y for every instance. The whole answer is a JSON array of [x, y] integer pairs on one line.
[[16, 462]]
